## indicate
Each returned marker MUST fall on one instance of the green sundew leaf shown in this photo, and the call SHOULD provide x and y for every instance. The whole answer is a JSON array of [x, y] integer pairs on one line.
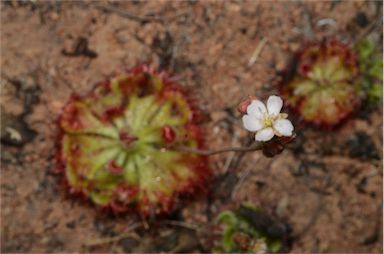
[[105, 99], [375, 93], [376, 69], [152, 178], [119, 122], [73, 178], [77, 118], [227, 217], [171, 170], [274, 246], [103, 176], [364, 84], [327, 106], [115, 88], [89, 153], [100, 198], [157, 83], [69, 172], [217, 249], [101, 159], [151, 113], [131, 175], [254, 232], [250, 206], [364, 49], [151, 135], [129, 110], [180, 172], [121, 158], [180, 105], [132, 118], [304, 87], [309, 108], [102, 186], [244, 222], [228, 243], [163, 181], [329, 67], [147, 109], [165, 115], [317, 72], [140, 108], [244, 225], [172, 161], [105, 180], [338, 72]]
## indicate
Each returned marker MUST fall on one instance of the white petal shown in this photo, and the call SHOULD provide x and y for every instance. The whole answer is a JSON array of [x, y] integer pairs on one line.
[[274, 105], [256, 109], [251, 123], [264, 134], [283, 127]]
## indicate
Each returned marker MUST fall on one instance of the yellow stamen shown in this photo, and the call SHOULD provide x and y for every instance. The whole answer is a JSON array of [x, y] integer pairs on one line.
[[268, 120]]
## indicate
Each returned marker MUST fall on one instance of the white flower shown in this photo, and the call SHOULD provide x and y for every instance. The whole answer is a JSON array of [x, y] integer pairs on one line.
[[267, 121]]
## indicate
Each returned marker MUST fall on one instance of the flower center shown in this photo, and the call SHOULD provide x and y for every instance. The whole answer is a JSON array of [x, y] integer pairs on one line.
[[126, 139], [268, 120]]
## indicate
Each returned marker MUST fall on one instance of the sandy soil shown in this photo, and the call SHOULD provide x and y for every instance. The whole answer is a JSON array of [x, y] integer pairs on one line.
[[327, 187]]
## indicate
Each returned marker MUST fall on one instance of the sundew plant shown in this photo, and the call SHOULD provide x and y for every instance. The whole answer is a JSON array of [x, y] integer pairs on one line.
[[247, 229], [117, 143], [328, 81]]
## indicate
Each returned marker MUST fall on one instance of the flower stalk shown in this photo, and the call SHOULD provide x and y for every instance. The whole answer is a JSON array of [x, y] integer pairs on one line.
[[254, 147]]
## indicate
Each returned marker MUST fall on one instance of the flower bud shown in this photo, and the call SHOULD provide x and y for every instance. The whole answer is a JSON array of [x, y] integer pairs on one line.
[[242, 107]]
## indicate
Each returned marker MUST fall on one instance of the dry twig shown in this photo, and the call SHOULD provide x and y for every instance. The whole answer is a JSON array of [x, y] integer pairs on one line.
[[126, 14], [106, 240], [257, 51]]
